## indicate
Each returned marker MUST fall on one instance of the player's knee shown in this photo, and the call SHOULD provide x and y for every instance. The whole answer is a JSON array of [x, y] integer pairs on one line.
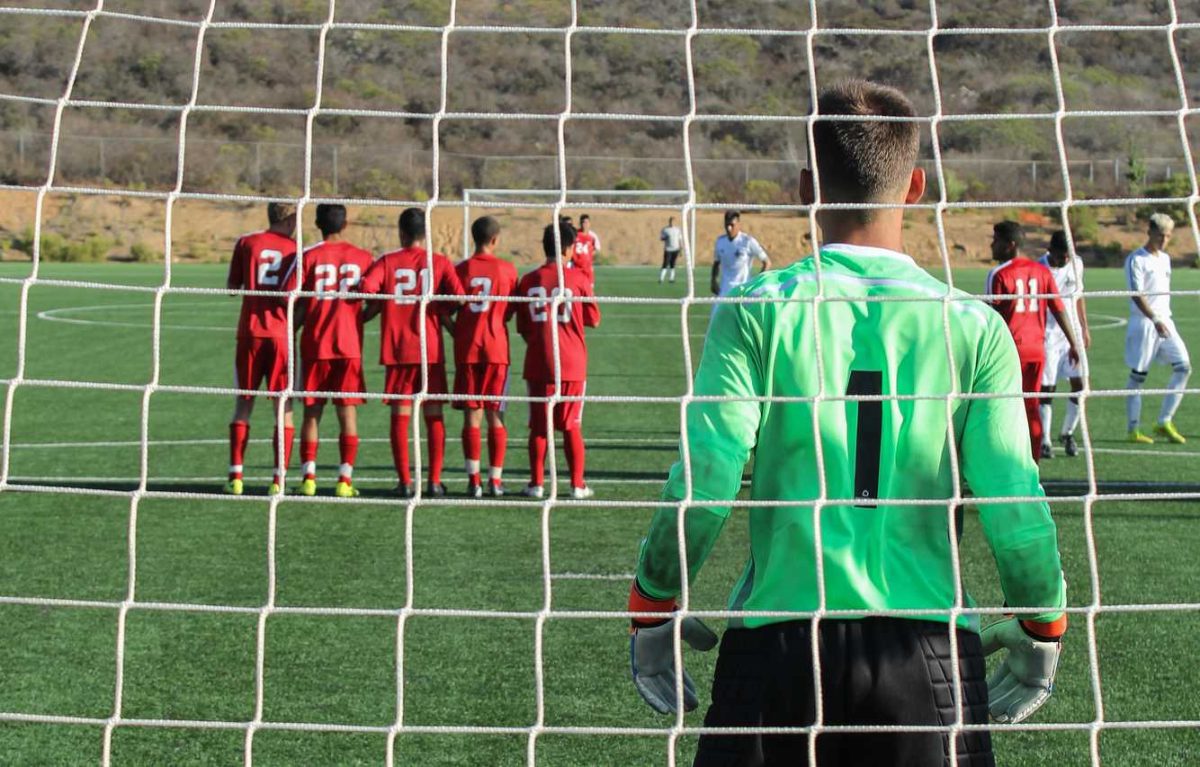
[[432, 411], [1182, 368], [1137, 377]]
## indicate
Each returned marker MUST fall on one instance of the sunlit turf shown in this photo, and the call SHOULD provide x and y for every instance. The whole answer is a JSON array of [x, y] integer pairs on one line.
[[204, 549]]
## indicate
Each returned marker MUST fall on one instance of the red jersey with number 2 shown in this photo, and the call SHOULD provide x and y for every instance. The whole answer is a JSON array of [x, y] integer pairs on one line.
[[263, 261], [537, 319], [332, 330], [1022, 281], [405, 275]]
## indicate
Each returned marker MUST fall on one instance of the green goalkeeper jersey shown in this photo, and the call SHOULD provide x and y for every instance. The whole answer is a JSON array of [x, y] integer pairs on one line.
[[881, 327]]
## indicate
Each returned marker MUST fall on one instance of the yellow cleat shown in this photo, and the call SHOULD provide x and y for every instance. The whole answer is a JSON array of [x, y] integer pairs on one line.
[[233, 487], [308, 487], [275, 489], [1137, 438], [345, 490], [1170, 433]]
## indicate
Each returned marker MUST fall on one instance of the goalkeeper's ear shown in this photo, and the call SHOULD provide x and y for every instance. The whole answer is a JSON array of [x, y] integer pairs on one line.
[[916, 187]]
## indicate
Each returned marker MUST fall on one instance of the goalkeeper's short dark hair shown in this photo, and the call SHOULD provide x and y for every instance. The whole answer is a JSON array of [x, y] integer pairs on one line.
[[566, 235], [412, 223], [1058, 241], [331, 218], [483, 230], [1009, 232], [864, 161]]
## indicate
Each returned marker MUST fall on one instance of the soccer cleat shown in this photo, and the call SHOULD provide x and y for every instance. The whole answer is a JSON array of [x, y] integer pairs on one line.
[[233, 487], [1069, 446], [308, 487], [1168, 431], [1137, 438], [474, 490], [1047, 450], [495, 488], [404, 491], [435, 490], [345, 490], [275, 489], [533, 491], [582, 493]]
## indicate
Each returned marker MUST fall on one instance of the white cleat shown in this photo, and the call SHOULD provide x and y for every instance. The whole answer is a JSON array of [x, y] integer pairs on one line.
[[533, 491], [582, 493]]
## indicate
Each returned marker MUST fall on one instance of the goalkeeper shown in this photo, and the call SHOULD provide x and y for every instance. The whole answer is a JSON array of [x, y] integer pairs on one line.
[[878, 553]]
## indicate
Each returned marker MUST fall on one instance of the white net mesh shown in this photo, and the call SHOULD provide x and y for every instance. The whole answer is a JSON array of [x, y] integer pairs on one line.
[[328, 167]]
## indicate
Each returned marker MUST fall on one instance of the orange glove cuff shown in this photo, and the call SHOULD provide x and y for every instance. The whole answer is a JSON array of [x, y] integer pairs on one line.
[[1050, 631]]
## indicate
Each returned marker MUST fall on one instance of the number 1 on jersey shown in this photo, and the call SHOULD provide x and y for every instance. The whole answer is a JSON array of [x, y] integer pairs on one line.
[[867, 383]]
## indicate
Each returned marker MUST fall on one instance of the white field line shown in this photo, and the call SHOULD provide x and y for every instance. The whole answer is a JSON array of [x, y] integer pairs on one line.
[[591, 576]]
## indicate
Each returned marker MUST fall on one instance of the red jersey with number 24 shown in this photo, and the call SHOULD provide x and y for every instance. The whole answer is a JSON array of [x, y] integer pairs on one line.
[[480, 330], [332, 328], [1018, 279], [263, 261], [405, 275], [537, 319]]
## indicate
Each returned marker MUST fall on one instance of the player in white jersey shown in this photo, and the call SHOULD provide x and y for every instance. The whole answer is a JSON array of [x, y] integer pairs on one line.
[[732, 256], [672, 240], [1068, 275], [1152, 336]]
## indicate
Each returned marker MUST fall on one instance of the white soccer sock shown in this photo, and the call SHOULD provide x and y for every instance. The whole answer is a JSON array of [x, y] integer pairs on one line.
[[662, 275], [1047, 414], [672, 275], [1133, 400], [1171, 402], [472, 468], [1071, 418], [346, 470], [496, 473]]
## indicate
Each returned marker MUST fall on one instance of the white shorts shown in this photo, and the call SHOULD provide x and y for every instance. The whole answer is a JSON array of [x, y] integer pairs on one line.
[[1144, 346], [1058, 362]]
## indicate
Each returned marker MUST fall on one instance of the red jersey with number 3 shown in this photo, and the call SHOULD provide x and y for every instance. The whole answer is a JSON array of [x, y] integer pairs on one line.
[[406, 275], [481, 329], [332, 328], [263, 261], [1021, 281], [537, 319]]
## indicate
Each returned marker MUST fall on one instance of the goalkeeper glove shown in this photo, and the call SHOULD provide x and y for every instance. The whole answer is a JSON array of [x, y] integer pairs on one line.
[[1025, 678], [652, 652]]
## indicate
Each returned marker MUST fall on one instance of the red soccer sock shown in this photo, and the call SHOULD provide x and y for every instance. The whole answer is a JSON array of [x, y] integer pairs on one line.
[[573, 444], [437, 447], [472, 447], [1035, 427], [497, 444], [289, 433], [348, 448], [537, 459], [399, 435], [239, 435], [308, 458]]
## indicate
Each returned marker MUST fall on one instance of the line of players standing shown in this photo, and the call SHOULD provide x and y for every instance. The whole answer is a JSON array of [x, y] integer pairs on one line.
[[1050, 348], [471, 302]]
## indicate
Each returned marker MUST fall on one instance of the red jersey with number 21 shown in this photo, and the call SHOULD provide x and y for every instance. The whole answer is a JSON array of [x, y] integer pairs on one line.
[[332, 330], [1026, 317], [406, 275], [536, 321], [263, 261]]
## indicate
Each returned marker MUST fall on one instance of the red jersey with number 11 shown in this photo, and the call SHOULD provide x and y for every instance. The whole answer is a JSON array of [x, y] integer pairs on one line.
[[332, 330], [480, 330], [1025, 316], [263, 261], [536, 322], [405, 275]]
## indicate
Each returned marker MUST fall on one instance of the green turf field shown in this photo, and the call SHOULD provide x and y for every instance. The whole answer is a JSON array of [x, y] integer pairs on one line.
[[202, 549]]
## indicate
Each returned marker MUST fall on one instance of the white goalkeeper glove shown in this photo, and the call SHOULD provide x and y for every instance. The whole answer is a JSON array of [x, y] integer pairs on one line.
[[1025, 678], [652, 652]]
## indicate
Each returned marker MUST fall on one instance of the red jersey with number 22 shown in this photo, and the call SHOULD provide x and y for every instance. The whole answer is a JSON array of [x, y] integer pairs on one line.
[[536, 321], [480, 330], [406, 275], [332, 330], [1026, 317], [263, 261]]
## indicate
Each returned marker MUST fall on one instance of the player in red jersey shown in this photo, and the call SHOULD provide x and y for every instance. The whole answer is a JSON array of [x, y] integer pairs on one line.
[[331, 345], [481, 354], [587, 245], [1025, 290], [262, 261], [405, 276], [536, 322]]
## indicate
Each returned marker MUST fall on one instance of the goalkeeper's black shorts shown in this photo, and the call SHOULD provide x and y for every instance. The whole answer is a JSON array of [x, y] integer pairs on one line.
[[874, 671]]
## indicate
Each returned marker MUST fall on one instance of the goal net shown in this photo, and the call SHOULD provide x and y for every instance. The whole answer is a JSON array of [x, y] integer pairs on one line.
[[149, 618]]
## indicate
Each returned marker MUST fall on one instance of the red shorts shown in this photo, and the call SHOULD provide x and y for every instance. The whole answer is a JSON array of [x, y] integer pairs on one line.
[[481, 379], [334, 375], [258, 360], [405, 380], [567, 415]]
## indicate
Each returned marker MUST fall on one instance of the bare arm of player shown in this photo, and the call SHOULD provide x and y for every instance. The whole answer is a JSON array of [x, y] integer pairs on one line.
[[1055, 305], [1081, 310], [235, 279], [1159, 325], [716, 275], [764, 260]]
